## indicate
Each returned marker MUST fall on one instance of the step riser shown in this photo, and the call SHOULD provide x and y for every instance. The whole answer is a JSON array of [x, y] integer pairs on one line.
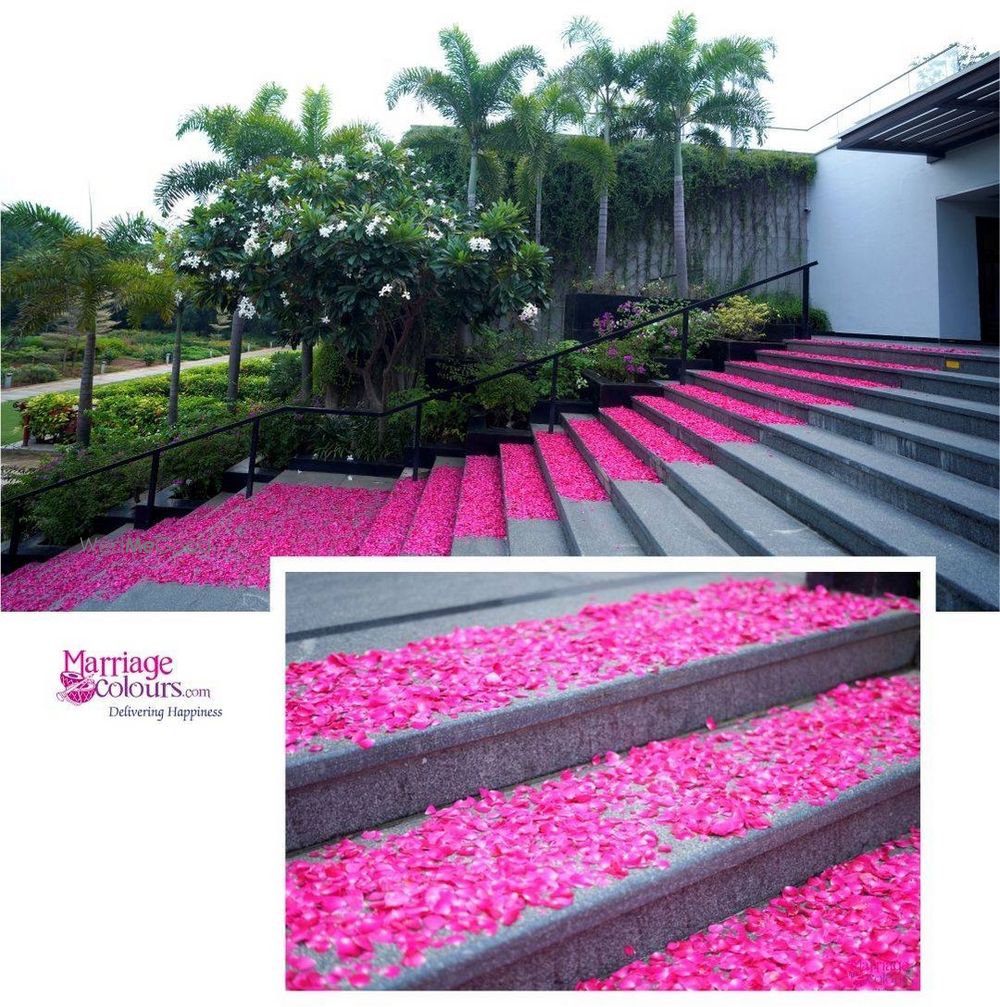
[[614, 716], [944, 458], [967, 365], [938, 383], [975, 528], [977, 426], [758, 867]]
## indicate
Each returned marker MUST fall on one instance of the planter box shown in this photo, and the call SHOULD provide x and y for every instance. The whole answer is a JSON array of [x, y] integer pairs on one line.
[[487, 440], [721, 350], [581, 310], [781, 331], [540, 413], [672, 365], [303, 463], [607, 392]]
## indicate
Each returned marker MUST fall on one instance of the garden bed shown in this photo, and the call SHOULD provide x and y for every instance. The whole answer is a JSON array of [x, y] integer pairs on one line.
[[608, 392]]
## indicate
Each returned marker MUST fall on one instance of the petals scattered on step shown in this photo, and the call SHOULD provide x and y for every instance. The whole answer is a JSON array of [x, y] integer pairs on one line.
[[653, 437], [480, 505], [388, 531], [745, 409], [835, 379], [614, 458], [433, 527], [863, 361], [572, 477], [855, 926], [525, 494], [950, 351], [718, 433], [777, 391], [355, 908], [485, 668]]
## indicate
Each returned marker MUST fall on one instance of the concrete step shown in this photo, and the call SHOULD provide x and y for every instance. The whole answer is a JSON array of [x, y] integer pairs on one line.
[[968, 575], [746, 521], [152, 597], [958, 359], [480, 525], [591, 911], [593, 527], [969, 387], [976, 419], [974, 458], [959, 505], [658, 519], [533, 525]]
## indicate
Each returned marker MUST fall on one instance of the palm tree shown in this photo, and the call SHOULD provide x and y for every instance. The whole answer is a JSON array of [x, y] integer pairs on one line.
[[470, 93], [602, 76], [242, 140], [76, 271], [690, 90]]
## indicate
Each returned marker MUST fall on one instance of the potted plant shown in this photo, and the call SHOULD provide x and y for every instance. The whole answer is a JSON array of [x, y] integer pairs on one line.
[[738, 324]]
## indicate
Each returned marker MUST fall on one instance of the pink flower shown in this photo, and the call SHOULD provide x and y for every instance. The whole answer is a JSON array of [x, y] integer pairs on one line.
[[526, 496], [570, 473], [480, 505]]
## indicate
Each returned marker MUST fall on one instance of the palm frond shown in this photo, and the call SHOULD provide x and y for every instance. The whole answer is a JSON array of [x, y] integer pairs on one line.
[[195, 178], [43, 222], [314, 119], [269, 100]]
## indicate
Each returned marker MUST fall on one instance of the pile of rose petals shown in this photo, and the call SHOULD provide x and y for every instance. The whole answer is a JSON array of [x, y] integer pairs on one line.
[[653, 437], [833, 379], [718, 433], [907, 347], [745, 409], [889, 365], [480, 504], [433, 527], [350, 697], [571, 475], [856, 926], [777, 391], [614, 458], [389, 529], [374, 905], [526, 496]]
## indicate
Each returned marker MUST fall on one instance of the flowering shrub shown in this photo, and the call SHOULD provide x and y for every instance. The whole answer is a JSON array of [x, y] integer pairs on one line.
[[359, 249], [740, 318], [51, 417]]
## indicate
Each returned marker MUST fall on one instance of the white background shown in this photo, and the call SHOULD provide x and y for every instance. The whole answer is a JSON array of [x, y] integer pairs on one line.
[[143, 860]]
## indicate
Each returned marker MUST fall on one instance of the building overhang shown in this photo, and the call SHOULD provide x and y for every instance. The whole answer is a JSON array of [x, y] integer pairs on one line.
[[957, 111]]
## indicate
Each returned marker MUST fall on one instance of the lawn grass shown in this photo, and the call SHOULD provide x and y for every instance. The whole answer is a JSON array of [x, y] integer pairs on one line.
[[10, 423]]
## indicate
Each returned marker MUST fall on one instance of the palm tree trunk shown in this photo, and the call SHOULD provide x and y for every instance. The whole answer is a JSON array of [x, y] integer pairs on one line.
[[86, 399], [600, 266], [306, 385], [235, 357], [680, 228], [175, 371], [473, 177], [538, 208]]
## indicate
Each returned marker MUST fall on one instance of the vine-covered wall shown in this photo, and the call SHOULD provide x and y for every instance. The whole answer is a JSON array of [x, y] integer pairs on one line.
[[745, 212]]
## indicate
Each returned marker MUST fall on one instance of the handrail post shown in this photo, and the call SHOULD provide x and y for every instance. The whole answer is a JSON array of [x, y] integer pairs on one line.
[[684, 346], [252, 463], [154, 475], [416, 440], [553, 392], [805, 302], [15, 532]]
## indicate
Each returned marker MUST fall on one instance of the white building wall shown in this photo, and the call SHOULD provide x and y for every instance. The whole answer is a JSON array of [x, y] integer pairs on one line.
[[874, 227]]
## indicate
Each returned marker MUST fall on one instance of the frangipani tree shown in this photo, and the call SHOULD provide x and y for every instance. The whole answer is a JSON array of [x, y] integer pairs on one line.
[[690, 90], [469, 94], [76, 271], [358, 248], [244, 140]]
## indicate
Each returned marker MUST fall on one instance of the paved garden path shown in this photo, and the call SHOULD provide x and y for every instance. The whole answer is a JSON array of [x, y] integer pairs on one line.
[[73, 384]]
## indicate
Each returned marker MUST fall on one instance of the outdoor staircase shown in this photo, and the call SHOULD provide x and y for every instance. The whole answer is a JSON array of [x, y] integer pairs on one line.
[[542, 837], [817, 450]]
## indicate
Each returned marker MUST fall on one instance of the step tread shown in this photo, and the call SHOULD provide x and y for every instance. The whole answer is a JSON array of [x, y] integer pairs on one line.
[[536, 537]]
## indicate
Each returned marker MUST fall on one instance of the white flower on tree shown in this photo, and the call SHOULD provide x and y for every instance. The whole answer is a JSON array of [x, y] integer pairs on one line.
[[246, 308], [215, 221], [338, 161], [279, 248], [480, 244], [251, 245], [386, 290], [275, 183], [528, 314], [151, 268], [325, 320], [296, 163], [363, 176], [178, 298], [229, 274], [284, 298]]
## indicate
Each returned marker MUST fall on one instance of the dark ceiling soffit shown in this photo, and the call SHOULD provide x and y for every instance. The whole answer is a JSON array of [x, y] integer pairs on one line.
[[958, 111]]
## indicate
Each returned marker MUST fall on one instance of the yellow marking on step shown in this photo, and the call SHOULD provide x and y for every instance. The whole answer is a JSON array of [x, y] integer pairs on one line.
[[953, 365]]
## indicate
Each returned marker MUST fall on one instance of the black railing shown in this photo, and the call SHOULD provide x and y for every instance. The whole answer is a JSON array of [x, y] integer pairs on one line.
[[417, 405]]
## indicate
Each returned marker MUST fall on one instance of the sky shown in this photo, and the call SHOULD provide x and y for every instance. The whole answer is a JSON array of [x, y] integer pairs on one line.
[[94, 91]]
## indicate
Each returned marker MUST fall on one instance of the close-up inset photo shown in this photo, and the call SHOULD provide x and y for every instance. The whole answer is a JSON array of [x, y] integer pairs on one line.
[[592, 780]]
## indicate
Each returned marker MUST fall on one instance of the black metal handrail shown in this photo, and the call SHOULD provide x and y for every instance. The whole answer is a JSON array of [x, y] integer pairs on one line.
[[416, 404]]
